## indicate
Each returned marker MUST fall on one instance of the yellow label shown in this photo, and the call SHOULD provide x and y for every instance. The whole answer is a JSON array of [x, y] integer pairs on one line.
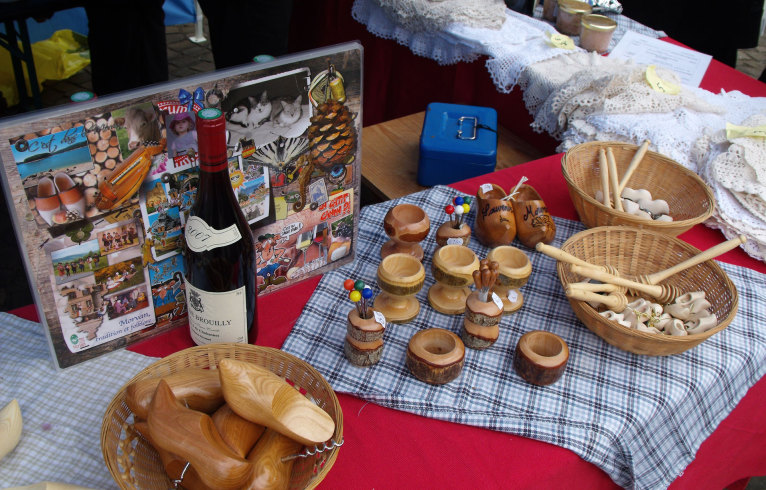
[[660, 85], [237, 178], [280, 207], [561, 41], [733, 131]]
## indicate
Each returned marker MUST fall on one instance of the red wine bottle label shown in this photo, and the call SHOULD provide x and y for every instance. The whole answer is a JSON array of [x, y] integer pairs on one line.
[[201, 237], [217, 317]]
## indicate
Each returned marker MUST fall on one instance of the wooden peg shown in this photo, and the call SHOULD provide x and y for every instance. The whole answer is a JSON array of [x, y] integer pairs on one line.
[[613, 179], [634, 163], [604, 177]]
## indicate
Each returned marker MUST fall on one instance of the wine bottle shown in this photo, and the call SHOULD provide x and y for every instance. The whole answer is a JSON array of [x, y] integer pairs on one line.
[[219, 248]]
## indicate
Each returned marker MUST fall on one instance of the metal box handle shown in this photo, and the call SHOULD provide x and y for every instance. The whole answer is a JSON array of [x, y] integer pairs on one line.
[[460, 121]]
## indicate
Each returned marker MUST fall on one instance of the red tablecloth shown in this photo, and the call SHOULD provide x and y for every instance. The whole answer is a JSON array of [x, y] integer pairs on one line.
[[391, 449]]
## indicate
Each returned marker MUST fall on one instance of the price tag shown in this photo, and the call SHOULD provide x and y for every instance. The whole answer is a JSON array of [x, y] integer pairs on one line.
[[486, 188], [454, 241], [660, 85], [513, 296], [380, 318], [733, 131], [561, 41], [497, 300]]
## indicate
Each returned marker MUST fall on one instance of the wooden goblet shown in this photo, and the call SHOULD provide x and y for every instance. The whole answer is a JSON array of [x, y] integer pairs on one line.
[[452, 268], [406, 225], [515, 269], [400, 277], [447, 234], [364, 339], [541, 357], [435, 356]]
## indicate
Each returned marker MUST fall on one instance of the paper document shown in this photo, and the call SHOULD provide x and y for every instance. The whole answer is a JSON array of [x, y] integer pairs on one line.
[[688, 64]]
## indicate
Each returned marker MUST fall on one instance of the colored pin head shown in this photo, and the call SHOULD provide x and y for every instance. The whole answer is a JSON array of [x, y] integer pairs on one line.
[[449, 209], [367, 293], [348, 284], [459, 201], [359, 285], [355, 296]]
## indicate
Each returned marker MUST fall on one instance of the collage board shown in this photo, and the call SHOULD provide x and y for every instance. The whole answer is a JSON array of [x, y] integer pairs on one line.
[[102, 196]]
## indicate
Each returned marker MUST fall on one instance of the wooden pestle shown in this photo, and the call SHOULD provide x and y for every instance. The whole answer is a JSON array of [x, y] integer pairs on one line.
[[604, 177], [615, 301], [665, 293], [613, 179], [634, 163], [596, 287], [562, 256], [708, 254]]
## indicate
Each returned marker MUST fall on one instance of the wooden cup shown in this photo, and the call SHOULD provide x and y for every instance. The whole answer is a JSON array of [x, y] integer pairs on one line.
[[540, 357], [400, 277], [364, 339], [514, 272], [452, 267], [406, 225], [481, 324], [435, 356], [447, 234]]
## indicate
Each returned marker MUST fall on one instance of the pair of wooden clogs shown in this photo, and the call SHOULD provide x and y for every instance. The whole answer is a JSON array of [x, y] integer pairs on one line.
[[499, 218]]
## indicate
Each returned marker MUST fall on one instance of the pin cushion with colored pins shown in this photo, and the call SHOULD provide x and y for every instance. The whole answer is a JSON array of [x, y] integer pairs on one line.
[[363, 344], [455, 231]]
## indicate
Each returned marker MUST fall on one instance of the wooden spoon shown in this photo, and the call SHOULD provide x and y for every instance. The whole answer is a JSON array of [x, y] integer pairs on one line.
[[261, 396]]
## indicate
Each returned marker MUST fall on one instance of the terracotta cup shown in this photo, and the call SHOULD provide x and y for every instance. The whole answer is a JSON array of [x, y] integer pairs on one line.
[[452, 267], [541, 357], [514, 272], [400, 277], [406, 225], [495, 222]]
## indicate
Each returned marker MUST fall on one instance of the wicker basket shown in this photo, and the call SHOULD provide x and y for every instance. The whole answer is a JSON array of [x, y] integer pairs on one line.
[[690, 200], [135, 464], [633, 252]]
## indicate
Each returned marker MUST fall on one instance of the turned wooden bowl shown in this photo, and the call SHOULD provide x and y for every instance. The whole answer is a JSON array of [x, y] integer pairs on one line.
[[447, 234], [541, 357], [452, 267], [406, 225], [400, 276], [435, 356]]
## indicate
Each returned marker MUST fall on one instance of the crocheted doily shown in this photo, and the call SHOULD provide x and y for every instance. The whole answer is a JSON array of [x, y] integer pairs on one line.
[[435, 15]]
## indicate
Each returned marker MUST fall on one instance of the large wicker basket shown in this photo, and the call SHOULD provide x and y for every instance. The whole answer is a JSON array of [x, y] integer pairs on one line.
[[634, 252], [134, 464], [690, 200]]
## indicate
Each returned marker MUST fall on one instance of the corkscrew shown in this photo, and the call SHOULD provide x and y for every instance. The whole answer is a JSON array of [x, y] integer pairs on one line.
[[311, 451]]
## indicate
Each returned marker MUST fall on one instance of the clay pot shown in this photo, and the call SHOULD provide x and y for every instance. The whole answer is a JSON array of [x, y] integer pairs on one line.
[[452, 267], [514, 272], [533, 222], [447, 234], [495, 222], [406, 225], [435, 356], [540, 357]]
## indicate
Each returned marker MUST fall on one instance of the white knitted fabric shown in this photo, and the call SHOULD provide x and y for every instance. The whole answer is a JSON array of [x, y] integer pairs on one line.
[[435, 15]]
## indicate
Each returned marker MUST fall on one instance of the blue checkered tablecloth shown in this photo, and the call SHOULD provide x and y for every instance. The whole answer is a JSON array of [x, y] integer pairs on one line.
[[641, 419], [61, 411]]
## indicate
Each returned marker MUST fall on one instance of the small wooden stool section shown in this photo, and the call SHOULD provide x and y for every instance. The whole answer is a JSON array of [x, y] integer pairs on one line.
[[540, 357], [435, 356], [364, 339], [400, 277]]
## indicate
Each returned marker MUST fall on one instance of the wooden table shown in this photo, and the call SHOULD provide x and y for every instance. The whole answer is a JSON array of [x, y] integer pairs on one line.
[[391, 150]]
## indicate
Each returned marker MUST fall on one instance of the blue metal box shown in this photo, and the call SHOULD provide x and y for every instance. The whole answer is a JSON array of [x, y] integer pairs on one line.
[[457, 142]]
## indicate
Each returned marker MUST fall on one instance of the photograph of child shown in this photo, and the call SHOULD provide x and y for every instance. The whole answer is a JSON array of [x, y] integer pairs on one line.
[[182, 134], [77, 262]]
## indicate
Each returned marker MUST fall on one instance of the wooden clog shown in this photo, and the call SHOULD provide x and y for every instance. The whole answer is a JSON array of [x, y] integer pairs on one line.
[[197, 388], [192, 436], [495, 221], [270, 471], [10, 427], [173, 464], [238, 433], [534, 223], [435, 356], [261, 396]]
